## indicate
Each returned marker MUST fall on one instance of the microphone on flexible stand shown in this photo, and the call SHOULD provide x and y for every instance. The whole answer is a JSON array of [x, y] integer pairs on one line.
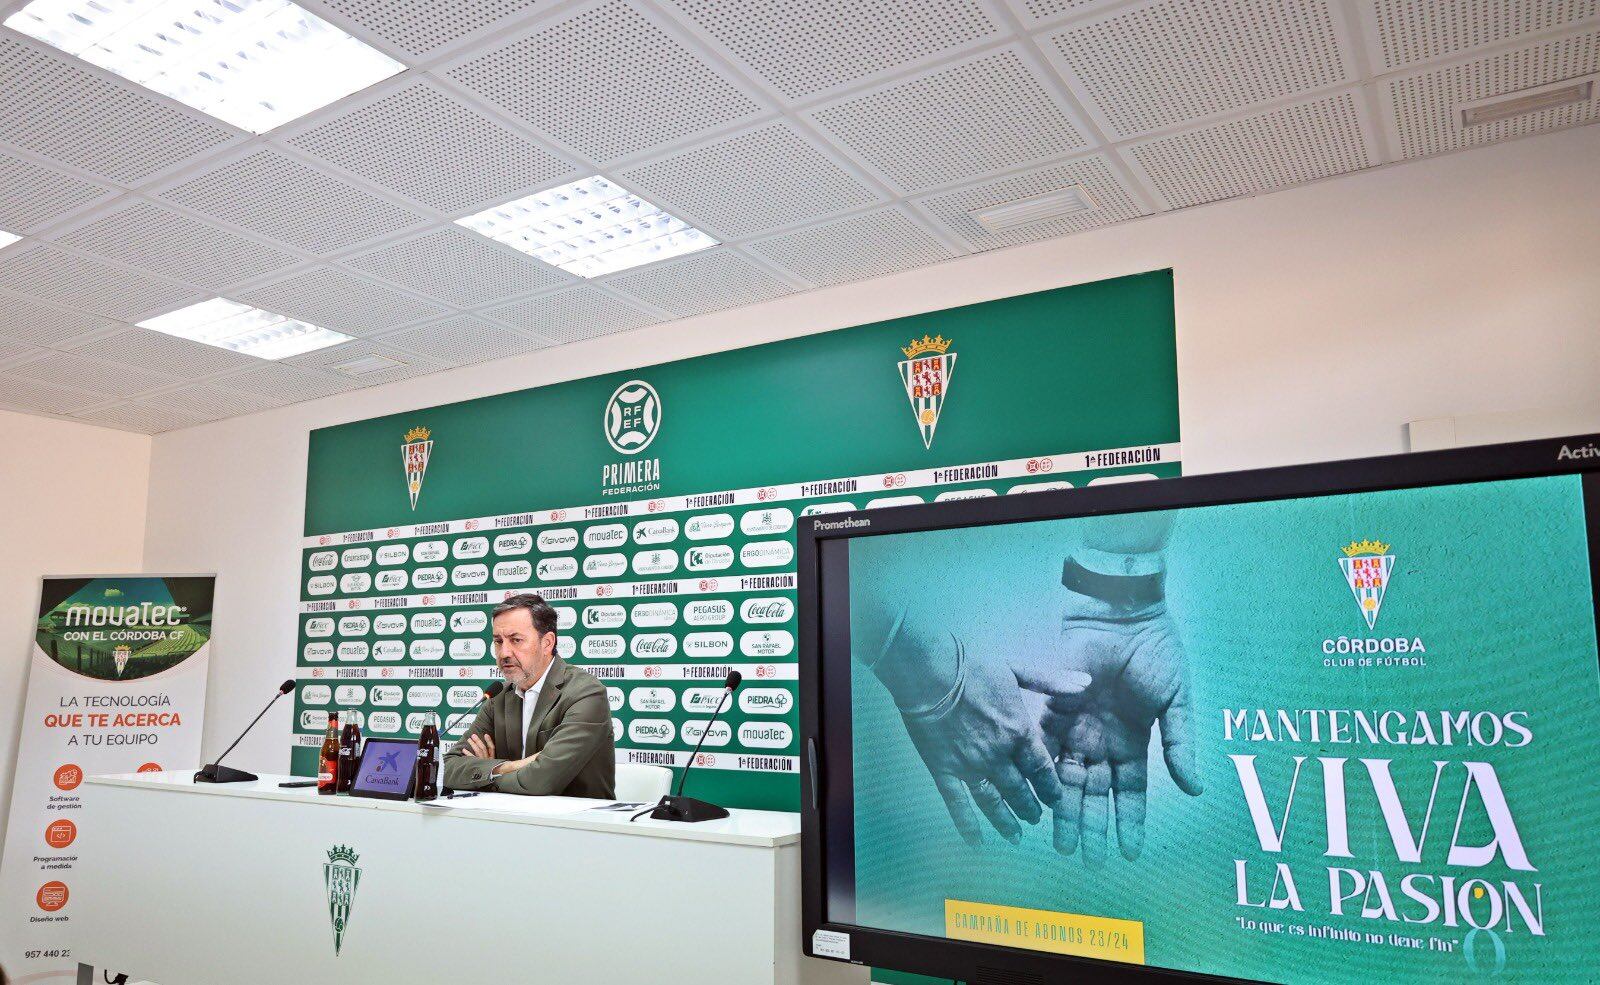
[[489, 693], [677, 807], [215, 772]]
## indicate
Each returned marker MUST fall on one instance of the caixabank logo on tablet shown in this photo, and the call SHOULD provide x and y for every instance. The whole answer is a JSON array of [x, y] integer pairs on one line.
[[340, 876]]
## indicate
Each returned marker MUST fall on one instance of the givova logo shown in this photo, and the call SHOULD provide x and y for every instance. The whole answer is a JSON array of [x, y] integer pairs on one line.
[[340, 876], [632, 417], [1367, 565]]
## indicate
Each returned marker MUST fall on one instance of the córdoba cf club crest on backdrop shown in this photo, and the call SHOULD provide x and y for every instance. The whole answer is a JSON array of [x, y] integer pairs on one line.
[[926, 372], [415, 453]]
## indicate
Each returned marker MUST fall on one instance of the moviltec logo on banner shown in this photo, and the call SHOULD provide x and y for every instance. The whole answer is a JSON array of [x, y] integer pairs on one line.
[[117, 684]]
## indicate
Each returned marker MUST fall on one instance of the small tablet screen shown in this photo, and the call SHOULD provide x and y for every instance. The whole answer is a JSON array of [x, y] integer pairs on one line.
[[386, 769]]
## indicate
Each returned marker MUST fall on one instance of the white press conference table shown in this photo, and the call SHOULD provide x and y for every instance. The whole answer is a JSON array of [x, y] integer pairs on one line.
[[194, 884]]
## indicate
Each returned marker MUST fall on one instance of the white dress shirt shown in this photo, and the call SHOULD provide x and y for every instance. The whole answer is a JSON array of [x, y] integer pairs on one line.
[[530, 697]]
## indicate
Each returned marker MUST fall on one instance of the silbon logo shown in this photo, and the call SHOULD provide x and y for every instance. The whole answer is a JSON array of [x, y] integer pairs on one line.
[[926, 373], [632, 417], [415, 452], [1367, 565], [341, 876]]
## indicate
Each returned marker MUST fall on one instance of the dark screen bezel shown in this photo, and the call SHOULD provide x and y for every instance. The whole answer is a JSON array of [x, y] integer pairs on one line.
[[825, 714]]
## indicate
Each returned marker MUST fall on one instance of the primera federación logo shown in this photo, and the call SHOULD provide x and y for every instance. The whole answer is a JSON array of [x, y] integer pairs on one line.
[[632, 417]]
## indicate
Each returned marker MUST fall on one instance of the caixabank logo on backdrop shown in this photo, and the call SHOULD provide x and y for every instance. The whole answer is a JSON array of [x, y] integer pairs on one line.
[[340, 876], [631, 420], [1368, 568]]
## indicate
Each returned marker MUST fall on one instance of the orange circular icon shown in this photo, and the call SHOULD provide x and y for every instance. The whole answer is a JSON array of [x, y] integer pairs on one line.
[[68, 776], [150, 768], [60, 833], [52, 896]]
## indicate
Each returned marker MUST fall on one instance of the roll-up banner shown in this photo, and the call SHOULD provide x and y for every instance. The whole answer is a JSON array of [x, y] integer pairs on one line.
[[117, 685]]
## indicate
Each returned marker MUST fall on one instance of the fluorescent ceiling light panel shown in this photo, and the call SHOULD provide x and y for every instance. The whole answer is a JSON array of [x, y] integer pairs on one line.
[[256, 64], [1529, 101], [589, 227], [6, 239], [231, 325]]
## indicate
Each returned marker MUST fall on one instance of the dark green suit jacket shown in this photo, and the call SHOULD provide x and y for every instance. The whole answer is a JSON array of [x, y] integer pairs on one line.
[[570, 730]]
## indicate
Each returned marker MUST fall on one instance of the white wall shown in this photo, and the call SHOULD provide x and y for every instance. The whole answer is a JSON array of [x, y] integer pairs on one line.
[[1312, 325], [72, 502]]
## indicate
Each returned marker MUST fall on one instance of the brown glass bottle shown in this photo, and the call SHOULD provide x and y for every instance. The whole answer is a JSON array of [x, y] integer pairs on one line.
[[328, 758]]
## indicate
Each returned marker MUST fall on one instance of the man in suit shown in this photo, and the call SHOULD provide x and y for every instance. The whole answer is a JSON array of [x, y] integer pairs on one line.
[[549, 731]]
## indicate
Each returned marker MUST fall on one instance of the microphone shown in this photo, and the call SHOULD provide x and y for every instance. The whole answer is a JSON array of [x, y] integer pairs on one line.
[[677, 807], [490, 692], [215, 772]]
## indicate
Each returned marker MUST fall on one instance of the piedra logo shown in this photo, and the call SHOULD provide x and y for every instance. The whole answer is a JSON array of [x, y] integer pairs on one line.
[[926, 373], [341, 876], [415, 452], [1367, 565]]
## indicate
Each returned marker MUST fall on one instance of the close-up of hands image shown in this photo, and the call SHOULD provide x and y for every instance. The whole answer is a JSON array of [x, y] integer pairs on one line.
[[1013, 735]]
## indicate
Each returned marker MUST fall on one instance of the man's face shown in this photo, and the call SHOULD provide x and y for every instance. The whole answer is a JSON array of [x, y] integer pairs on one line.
[[521, 652]]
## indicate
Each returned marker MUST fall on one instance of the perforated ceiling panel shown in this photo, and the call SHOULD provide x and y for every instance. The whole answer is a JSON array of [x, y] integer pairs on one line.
[[709, 281], [416, 27], [408, 365], [142, 234], [334, 299], [1427, 105], [978, 116], [56, 109], [462, 268], [33, 195], [209, 402], [91, 375], [751, 182], [425, 145], [167, 354], [1112, 203], [17, 349], [880, 242], [1257, 153], [282, 199], [137, 416], [462, 340], [1413, 31], [287, 384], [570, 316], [26, 394], [802, 47], [1035, 12], [636, 86], [63, 278], [44, 325], [1156, 66]]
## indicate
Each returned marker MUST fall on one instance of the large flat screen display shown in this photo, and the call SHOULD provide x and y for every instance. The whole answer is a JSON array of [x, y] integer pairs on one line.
[[1315, 725]]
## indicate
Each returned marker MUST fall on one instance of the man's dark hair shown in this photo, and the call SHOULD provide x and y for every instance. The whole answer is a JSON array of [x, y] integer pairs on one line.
[[544, 617]]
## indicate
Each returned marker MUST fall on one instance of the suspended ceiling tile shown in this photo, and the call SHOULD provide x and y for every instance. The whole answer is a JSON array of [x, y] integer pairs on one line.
[[1111, 200], [282, 199], [33, 196], [1427, 104], [44, 325], [1258, 153], [141, 417], [1180, 61], [91, 375], [209, 402], [53, 275], [161, 353], [882, 242], [422, 143], [571, 316], [978, 116], [606, 82], [804, 47], [24, 393], [152, 237], [406, 366], [708, 281], [1410, 32], [286, 384], [462, 340], [1036, 13], [462, 268], [343, 302], [417, 27], [56, 108]]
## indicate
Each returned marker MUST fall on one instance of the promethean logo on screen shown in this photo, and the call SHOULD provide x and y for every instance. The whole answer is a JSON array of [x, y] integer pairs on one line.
[[1584, 451], [846, 524]]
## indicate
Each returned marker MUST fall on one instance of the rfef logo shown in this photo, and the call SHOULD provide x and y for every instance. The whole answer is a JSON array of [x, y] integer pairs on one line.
[[632, 417], [1367, 565], [415, 452]]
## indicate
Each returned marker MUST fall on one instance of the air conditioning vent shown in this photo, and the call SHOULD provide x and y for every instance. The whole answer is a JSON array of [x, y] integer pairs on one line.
[[1027, 211], [1529, 101], [366, 365]]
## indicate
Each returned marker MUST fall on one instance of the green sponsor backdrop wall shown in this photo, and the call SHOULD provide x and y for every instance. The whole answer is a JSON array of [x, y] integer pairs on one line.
[[656, 509]]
